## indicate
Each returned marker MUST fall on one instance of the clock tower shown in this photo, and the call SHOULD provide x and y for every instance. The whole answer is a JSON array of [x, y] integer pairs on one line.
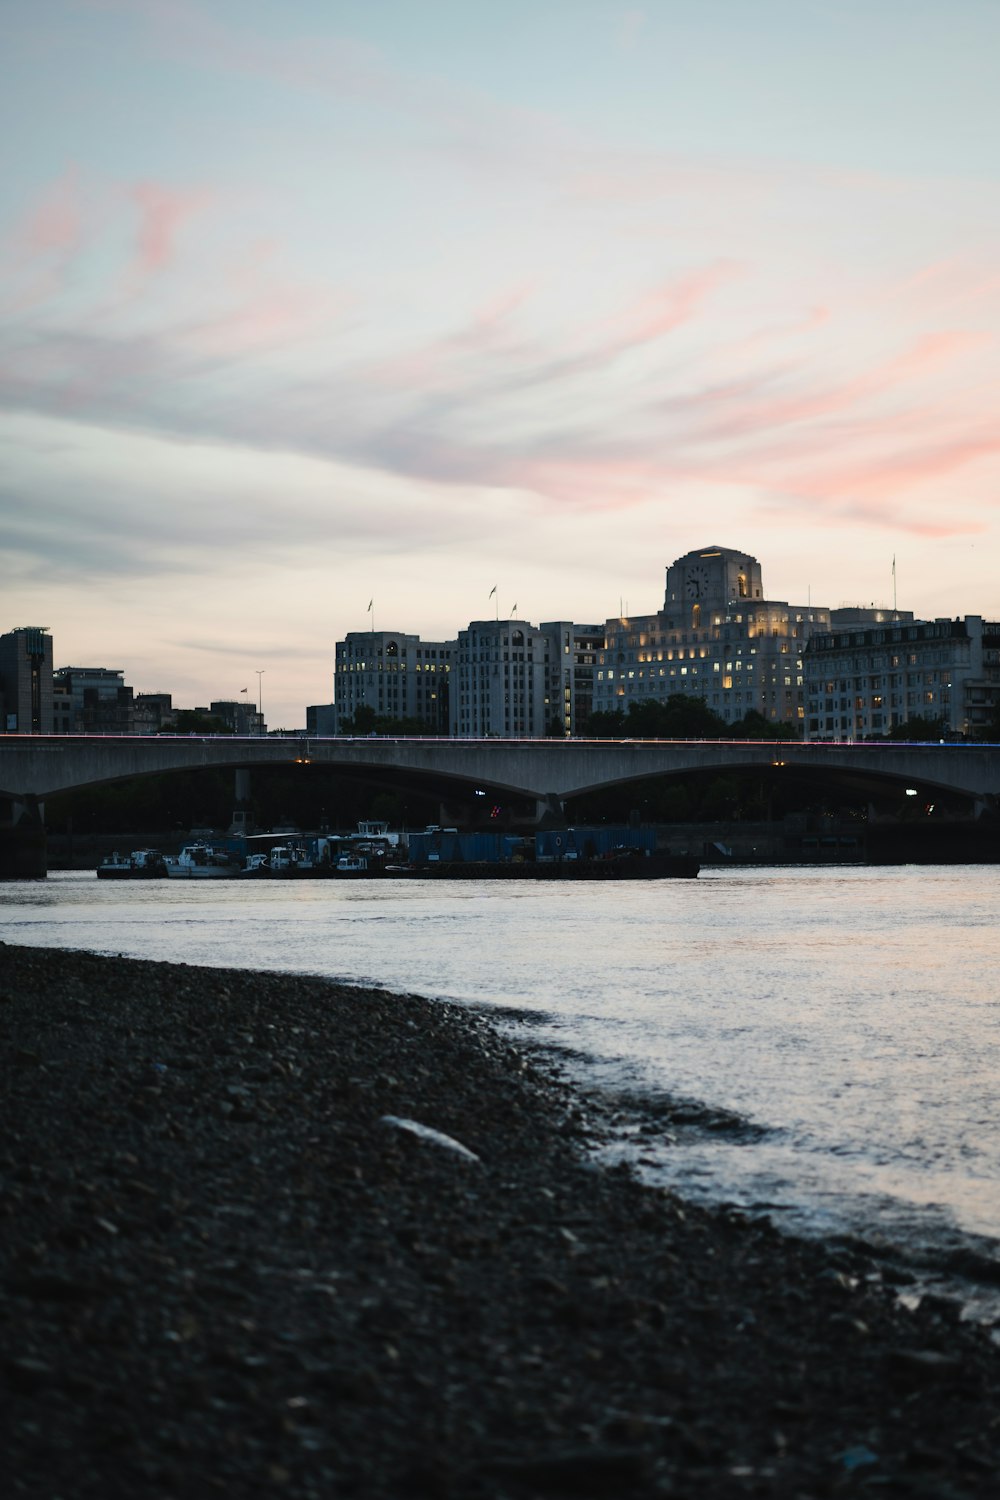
[[713, 577]]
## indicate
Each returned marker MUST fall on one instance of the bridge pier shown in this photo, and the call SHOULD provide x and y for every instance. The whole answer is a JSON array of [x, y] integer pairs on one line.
[[550, 811], [22, 838], [242, 821]]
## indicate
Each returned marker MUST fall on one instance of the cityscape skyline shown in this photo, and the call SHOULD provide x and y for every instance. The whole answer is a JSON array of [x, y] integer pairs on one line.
[[715, 611], [308, 306]]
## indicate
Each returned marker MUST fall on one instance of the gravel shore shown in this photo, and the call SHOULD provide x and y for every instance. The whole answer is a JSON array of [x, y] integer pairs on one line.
[[230, 1265]]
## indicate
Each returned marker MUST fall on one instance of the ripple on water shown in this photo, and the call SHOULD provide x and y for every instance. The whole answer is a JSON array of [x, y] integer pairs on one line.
[[845, 1020]]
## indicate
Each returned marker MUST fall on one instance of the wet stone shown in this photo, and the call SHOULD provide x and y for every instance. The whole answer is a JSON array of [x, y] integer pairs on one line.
[[229, 1278]]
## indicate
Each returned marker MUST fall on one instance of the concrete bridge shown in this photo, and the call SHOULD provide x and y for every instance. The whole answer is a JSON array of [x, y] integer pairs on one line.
[[536, 774]]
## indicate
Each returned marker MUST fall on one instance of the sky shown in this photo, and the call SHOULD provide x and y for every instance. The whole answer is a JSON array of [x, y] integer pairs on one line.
[[325, 315]]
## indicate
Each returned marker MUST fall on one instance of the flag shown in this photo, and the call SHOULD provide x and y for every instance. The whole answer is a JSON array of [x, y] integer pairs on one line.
[[493, 591], [370, 603], [244, 690]]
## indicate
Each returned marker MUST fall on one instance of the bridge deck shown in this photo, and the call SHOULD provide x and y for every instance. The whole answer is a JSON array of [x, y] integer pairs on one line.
[[38, 766]]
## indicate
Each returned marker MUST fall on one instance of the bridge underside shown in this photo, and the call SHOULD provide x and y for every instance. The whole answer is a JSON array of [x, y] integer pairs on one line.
[[852, 786], [472, 798], [473, 783]]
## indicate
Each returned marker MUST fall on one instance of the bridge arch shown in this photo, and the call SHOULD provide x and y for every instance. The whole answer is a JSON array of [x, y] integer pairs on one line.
[[40, 765]]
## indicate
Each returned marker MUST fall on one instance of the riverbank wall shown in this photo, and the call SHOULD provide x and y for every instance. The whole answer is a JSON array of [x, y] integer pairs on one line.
[[781, 842], [265, 1234]]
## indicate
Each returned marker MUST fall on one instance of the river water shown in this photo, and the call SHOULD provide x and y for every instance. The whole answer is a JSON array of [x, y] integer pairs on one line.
[[836, 1031]]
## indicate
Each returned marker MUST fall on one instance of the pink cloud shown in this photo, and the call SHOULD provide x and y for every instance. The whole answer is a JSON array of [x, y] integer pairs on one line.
[[41, 245], [885, 476], [808, 322], [606, 482], [433, 365], [669, 306], [870, 491], [59, 228], [269, 317], [750, 416], [193, 35], [511, 364], [55, 224], [162, 213], [499, 309], [947, 283]]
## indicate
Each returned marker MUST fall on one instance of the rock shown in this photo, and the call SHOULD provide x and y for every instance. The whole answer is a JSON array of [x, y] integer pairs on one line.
[[364, 1311], [27, 1374], [916, 1367], [577, 1471], [50, 1286], [428, 1135]]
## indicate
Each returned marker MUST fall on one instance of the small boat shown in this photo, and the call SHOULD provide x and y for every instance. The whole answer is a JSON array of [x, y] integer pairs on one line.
[[291, 862], [141, 864], [355, 865], [201, 862]]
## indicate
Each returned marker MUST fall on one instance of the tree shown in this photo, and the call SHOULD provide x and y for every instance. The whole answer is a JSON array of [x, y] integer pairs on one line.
[[190, 721], [922, 730], [606, 724], [754, 726], [362, 723], [366, 721], [990, 732], [679, 717]]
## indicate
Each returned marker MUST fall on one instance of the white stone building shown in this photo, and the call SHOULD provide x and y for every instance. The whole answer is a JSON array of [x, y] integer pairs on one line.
[[397, 675], [501, 682], [718, 638], [862, 683]]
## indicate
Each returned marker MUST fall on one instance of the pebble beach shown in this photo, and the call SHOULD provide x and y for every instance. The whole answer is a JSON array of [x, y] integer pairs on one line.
[[269, 1235]]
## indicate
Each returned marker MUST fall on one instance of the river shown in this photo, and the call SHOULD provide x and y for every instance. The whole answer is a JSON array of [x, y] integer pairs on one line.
[[836, 1031]]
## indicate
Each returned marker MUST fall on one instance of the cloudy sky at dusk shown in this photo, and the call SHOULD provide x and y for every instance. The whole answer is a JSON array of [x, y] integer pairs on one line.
[[310, 302]]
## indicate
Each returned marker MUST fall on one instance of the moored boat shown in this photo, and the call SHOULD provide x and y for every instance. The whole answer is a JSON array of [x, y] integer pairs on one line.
[[356, 866], [201, 862], [141, 864], [292, 862]]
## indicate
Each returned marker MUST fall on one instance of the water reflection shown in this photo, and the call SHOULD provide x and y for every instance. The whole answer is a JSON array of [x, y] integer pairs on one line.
[[849, 1013]]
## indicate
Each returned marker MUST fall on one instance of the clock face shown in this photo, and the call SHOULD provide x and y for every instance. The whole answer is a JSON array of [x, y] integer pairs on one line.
[[697, 583]]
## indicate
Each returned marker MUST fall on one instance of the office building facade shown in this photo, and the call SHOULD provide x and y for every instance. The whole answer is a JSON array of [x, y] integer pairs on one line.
[[572, 662], [397, 675], [26, 681], [861, 683], [718, 638], [240, 716], [501, 682]]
